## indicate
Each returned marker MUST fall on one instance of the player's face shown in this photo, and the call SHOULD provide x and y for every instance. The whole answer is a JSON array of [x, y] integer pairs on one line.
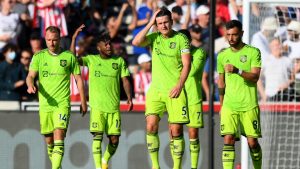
[[105, 48], [234, 36], [164, 24], [52, 41]]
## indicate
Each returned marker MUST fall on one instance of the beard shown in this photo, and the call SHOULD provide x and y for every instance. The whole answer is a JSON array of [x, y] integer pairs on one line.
[[236, 43]]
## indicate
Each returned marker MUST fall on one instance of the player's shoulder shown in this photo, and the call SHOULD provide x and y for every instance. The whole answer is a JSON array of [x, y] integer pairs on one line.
[[224, 51], [180, 35], [41, 52], [198, 51], [117, 58], [251, 48]]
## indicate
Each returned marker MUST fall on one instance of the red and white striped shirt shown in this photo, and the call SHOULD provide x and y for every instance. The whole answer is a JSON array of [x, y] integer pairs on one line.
[[142, 83]]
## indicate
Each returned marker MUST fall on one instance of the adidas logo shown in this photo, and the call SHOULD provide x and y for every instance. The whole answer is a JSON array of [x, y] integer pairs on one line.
[[46, 64]]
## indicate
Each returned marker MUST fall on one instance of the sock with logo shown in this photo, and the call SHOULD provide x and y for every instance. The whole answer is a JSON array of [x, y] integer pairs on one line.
[[256, 155], [194, 150], [50, 151], [57, 154], [153, 148], [97, 152], [109, 152], [228, 156], [178, 151]]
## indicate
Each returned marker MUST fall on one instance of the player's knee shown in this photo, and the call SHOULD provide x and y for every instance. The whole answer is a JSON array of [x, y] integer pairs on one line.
[[176, 130], [253, 143], [229, 140], [114, 140], [59, 134], [193, 133], [152, 126]]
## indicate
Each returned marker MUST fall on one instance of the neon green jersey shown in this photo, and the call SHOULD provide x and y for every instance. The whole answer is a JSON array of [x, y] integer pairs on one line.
[[54, 76], [104, 81], [193, 84], [240, 94], [166, 59]]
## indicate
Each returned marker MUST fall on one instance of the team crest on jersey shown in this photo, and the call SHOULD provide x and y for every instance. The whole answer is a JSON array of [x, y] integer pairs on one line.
[[172, 45], [63, 63], [243, 58], [115, 66]]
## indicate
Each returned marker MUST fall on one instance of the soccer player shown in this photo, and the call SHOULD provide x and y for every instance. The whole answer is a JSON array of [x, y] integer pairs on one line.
[[54, 66], [105, 72], [170, 68], [239, 69], [194, 97]]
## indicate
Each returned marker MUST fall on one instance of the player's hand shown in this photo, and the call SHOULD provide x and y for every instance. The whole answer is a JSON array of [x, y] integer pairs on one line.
[[229, 68], [83, 109], [31, 89], [130, 104], [19, 83], [175, 92], [78, 30], [124, 6], [152, 20]]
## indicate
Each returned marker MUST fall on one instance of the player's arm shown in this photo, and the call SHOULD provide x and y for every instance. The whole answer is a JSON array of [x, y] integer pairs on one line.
[[140, 39], [134, 15], [73, 43], [31, 89], [80, 87], [186, 61], [251, 76], [221, 87], [127, 88]]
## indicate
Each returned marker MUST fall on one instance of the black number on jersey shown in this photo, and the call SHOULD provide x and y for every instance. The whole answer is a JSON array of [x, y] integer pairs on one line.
[[255, 124], [199, 115], [184, 111], [63, 117], [118, 123]]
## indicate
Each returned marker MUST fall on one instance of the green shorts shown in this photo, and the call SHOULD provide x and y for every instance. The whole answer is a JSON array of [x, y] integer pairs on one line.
[[158, 102], [196, 116], [235, 123], [101, 122], [54, 118]]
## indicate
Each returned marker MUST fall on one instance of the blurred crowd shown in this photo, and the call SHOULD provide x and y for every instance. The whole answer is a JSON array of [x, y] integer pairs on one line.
[[23, 23]]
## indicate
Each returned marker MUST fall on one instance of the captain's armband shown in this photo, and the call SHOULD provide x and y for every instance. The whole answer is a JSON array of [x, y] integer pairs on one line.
[[221, 91]]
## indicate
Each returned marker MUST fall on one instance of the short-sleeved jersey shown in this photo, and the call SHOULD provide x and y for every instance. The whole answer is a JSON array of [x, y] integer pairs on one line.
[[193, 84], [166, 59], [54, 76], [240, 94], [104, 81]]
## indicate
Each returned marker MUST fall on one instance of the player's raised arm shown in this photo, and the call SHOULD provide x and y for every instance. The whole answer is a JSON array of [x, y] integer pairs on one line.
[[140, 38], [127, 88], [80, 86], [31, 89], [73, 43]]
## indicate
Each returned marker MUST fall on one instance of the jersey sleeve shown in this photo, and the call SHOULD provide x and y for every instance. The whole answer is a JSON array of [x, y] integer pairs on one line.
[[220, 66], [124, 68], [184, 45], [256, 58], [151, 37], [75, 69], [34, 64], [85, 60], [198, 62]]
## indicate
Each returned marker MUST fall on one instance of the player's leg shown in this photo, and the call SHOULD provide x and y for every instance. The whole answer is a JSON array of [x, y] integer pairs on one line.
[[154, 111], [178, 116], [196, 122], [97, 125], [61, 118], [250, 125], [230, 132], [113, 130], [50, 144]]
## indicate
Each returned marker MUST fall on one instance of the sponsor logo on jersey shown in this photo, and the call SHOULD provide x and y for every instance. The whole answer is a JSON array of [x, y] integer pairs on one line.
[[243, 58], [63, 63], [115, 66], [172, 45]]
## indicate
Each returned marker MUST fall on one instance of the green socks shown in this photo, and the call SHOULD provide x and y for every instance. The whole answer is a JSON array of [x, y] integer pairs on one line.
[[57, 154], [97, 140], [109, 152], [178, 151], [50, 151], [194, 150], [153, 148], [228, 156], [256, 155]]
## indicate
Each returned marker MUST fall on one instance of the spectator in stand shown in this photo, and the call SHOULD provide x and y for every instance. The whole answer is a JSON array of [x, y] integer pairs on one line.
[[296, 70], [293, 42], [177, 14], [35, 42], [9, 23], [196, 34], [278, 75], [184, 6], [25, 59], [261, 39], [142, 79], [12, 74], [235, 8]]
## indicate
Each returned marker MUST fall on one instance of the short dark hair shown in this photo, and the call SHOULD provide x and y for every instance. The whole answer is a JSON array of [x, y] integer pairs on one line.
[[196, 28], [186, 33], [234, 23], [164, 12], [53, 29], [103, 37], [177, 9], [9, 46]]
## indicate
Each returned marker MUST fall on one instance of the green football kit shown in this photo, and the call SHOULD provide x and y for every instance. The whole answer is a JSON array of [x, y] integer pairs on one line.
[[166, 70], [104, 92], [54, 88], [193, 88], [240, 111]]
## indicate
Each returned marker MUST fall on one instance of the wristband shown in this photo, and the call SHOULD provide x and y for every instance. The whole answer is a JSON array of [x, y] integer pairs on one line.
[[240, 71]]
